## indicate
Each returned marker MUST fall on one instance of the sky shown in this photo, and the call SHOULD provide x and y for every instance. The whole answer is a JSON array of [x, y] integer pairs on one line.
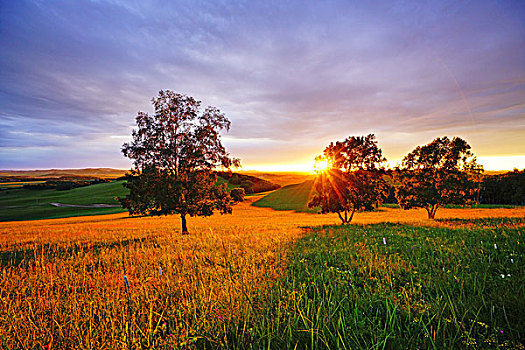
[[292, 76]]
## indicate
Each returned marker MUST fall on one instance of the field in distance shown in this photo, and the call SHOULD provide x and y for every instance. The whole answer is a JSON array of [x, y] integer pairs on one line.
[[26, 204], [56, 173], [19, 203]]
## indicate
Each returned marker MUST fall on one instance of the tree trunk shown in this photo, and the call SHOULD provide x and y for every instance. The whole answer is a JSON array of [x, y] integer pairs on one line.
[[351, 216], [184, 227], [341, 217], [346, 219], [432, 210]]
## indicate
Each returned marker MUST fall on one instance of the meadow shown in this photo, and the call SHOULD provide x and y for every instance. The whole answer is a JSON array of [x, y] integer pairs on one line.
[[262, 278], [25, 204]]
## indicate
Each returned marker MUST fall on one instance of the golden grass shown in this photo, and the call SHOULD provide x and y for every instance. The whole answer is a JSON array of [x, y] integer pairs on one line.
[[62, 280]]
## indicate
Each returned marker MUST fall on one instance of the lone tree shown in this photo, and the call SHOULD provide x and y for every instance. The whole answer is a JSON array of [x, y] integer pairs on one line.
[[175, 153], [349, 177], [443, 172]]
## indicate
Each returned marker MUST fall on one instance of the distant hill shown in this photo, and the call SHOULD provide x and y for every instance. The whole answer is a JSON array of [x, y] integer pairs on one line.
[[250, 184], [281, 178], [60, 173], [290, 197]]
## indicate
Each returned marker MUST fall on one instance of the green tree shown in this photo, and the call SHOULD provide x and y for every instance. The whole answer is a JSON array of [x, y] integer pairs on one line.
[[350, 177], [174, 153], [443, 172]]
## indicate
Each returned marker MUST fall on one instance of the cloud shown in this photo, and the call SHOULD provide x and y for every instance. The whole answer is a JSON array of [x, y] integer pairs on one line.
[[290, 73]]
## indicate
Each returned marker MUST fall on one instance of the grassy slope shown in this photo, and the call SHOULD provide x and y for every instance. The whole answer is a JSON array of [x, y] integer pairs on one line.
[[22, 204], [291, 197], [296, 197]]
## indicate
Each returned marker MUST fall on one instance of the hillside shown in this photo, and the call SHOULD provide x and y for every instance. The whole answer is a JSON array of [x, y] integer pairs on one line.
[[290, 197], [18, 203], [281, 178], [58, 173], [25, 204]]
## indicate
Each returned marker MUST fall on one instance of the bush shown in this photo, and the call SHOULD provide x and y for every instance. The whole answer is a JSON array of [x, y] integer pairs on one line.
[[237, 194]]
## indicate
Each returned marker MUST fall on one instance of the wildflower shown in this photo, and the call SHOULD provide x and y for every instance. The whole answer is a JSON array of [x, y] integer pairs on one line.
[[502, 275], [384, 240], [126, 282], [160, 271], [501, 331], [495, 246], [512, 261]]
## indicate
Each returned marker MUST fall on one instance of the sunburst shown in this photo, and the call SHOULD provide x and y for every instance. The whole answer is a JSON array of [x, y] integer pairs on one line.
[[322, 165]]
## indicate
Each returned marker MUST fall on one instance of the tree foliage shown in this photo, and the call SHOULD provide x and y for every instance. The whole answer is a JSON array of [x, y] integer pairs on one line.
[[508, 188], [442, 172], [353, 178], [174, 153], [237, 194]]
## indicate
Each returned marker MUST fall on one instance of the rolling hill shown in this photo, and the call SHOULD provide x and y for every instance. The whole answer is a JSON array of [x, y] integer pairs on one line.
[[290, 197], [18, 203]]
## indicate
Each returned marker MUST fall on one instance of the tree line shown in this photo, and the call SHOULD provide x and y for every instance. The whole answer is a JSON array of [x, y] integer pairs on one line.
[[177, 151], [508, 188]]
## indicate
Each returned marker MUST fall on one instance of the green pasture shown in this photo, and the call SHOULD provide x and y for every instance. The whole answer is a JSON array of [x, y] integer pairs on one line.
[[291, 197], [392, 286], [17, 203], [24, 204]]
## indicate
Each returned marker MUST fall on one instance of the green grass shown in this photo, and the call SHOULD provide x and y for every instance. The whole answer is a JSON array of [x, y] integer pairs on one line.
[[291, 197], [221, 180], [427, 287], [23, 204]]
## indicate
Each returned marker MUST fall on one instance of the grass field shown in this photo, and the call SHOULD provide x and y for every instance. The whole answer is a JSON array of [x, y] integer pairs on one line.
[[262, 278], [24, 204], [290, 197]]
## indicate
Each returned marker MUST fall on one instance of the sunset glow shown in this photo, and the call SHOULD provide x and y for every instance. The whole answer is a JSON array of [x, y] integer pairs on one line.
[[321, 165], [287, 75]]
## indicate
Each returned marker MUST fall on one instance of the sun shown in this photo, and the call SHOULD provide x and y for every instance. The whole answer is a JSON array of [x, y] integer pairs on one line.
[[321, 165]]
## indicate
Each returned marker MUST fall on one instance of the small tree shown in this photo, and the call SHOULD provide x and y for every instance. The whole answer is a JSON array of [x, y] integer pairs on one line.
[[349, 177], [237, 194], [175, 152], [443, 172]]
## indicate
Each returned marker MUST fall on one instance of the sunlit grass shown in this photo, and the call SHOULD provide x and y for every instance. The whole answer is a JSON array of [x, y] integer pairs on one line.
[[399, 287], [62, 281]]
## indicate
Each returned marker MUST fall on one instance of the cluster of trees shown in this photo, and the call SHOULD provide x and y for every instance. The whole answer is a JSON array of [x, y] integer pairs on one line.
[[443, 172], [508, 188], [63, 185]]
